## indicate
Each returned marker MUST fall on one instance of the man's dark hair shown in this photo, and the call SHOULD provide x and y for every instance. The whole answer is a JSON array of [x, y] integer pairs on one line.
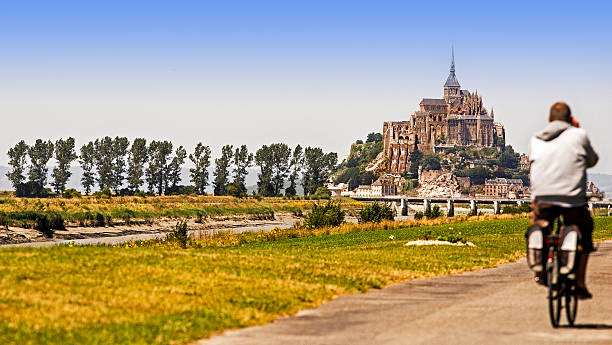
[[560, 112]]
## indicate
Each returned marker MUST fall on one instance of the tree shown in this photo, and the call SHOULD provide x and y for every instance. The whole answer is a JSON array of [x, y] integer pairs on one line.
[[263, 158], [431, 162], [137, 158], [17, 160], [478, 175], [222, 167], [352, 176], [500, 141], [87, 159], [374, 138], [508, 158], [367, 178], [280, 166], [273, 161], [64, 155], [296, 164], [242, 161], [199, 174], [174, 170], [120, 150], [39, 154], [415, 160], [318, 168], [104, 162], [158, 168]]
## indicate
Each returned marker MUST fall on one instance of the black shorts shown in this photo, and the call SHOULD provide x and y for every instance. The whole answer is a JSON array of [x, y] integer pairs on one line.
[[578, 216]]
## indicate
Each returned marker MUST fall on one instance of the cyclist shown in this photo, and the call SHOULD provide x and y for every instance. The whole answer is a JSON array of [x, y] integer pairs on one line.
[[560, 155]]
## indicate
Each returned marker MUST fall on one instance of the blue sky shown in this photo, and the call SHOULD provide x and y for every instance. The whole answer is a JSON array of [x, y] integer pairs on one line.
[[318, 73]]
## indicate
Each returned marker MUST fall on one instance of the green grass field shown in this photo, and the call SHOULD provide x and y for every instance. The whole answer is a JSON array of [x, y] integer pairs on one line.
[[163, 295]]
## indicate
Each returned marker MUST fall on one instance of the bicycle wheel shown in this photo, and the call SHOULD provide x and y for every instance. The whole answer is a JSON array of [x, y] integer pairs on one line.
[[554, 295], [571, 305]]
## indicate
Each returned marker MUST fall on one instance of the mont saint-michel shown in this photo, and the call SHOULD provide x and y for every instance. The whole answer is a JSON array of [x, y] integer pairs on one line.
[[457, 119]]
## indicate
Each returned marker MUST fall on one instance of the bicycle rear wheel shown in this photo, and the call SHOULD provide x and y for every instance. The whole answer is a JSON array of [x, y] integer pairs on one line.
[[554, 292], [571, 306]]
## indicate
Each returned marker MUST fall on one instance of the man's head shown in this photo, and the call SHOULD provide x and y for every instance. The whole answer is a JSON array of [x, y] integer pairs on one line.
[[560, 112]]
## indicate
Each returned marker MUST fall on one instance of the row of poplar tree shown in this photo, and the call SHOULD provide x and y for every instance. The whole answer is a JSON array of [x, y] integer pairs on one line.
[[115, 164]]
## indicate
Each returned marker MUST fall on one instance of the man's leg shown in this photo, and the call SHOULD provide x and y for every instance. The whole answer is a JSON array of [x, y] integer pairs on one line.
[[581, 217], [543, 215], [581, 270]]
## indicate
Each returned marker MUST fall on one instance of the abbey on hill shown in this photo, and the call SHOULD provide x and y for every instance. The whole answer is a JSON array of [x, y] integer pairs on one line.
[[458, 119]]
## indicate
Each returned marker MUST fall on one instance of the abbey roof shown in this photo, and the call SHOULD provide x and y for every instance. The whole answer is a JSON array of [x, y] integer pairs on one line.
[[433, 101]]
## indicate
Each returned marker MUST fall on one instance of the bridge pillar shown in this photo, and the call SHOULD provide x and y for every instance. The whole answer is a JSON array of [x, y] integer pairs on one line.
[[403, 207], [450, 208], [591, 209], [496, 207], [609, 211], [426, 205], [519, 203], [473, 207]]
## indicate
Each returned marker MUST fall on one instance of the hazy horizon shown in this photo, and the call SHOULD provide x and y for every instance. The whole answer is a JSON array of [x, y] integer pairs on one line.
[[315, 73]]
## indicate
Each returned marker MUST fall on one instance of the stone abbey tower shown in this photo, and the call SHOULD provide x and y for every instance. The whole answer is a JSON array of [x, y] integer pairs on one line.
[[458, 119]]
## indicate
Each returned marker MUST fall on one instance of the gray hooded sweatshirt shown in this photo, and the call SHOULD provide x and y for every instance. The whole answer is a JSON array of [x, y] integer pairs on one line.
[[560, 155]]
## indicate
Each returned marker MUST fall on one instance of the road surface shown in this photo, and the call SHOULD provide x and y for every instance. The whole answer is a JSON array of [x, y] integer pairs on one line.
[[494, 306]]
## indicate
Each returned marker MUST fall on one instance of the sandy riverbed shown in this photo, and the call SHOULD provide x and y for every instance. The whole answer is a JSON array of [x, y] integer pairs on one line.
[[119, 233]]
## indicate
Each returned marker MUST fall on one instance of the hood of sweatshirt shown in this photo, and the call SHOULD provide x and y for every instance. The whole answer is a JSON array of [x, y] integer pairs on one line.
[[552, 130]]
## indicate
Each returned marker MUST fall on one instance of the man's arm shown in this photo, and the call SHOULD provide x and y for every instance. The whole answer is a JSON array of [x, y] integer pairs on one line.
[[591, 156]]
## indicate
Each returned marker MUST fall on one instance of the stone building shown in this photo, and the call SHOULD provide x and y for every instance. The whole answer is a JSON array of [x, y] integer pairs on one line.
[[363, 190], [384, 186], [504, 188], [458, 119], [337, 190]]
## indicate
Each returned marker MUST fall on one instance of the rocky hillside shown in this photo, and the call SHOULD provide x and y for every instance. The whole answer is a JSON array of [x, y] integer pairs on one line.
[[363, 163]]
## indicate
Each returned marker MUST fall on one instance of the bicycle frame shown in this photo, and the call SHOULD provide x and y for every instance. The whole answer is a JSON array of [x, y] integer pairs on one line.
[[559, 285]]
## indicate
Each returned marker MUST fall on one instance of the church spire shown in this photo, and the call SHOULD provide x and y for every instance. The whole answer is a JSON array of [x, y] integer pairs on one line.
[[452, 69], [451, 81]]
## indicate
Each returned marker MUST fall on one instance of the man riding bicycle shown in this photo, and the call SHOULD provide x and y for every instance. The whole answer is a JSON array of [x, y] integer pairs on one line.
[[560, 155]]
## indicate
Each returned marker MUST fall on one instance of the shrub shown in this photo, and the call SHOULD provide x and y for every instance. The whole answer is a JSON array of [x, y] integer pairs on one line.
[[375, 213], [45, 222], [181, 190], [419, 215], [103, 194], [31, 189], [524, 208], [434, 212], [4, 221], [452, 238], [71, 193], [322, 193], [140, 194], [330, 214], [102, 220], [179, 235]]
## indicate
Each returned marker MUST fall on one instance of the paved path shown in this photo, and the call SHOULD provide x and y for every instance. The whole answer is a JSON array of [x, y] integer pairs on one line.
[[493, 306]]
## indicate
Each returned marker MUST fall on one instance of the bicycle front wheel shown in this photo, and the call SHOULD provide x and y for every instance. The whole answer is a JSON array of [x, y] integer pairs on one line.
[[554, 293]]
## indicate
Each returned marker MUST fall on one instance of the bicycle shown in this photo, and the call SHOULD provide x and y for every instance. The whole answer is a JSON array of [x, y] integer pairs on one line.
[[561, 253]]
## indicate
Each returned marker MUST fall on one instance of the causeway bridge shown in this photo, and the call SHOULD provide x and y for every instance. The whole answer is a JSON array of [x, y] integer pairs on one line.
[[401, 203]]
